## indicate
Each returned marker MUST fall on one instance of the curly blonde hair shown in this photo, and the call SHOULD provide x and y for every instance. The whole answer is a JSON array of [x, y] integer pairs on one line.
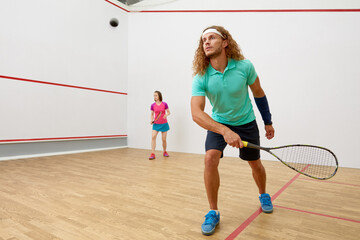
[[201, 61]]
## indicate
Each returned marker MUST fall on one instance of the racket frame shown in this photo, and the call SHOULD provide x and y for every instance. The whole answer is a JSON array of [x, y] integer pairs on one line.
[[268, 149]]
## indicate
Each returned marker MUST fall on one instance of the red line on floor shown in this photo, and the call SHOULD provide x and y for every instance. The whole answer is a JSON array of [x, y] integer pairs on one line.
[[59, 84], [318, 214], [247, 222], [286, 185]]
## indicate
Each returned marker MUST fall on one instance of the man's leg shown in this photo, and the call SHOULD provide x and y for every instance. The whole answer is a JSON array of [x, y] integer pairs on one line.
[[212, 184], [211, 177], [259, 175]]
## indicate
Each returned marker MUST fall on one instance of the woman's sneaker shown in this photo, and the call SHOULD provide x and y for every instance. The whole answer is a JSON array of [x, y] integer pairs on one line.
[[211, 221], [166, 154], [152, 156], [266, 204]]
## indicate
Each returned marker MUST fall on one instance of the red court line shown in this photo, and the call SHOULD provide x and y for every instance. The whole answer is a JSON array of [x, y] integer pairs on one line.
[[333, 182], [59, 84], [290, 182], [236, 11], [247, 222], [318, 214], [59, 138], [248, 11], [117, 6]]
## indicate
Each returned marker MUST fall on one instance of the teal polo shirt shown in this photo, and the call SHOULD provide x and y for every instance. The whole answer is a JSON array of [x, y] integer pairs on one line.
[[228, 92]]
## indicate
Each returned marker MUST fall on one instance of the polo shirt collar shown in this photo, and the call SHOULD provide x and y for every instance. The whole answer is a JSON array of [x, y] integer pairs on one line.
[[230, 65]]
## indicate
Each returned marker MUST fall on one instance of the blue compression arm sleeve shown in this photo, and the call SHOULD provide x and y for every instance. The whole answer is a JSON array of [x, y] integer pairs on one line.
[[264, 109]]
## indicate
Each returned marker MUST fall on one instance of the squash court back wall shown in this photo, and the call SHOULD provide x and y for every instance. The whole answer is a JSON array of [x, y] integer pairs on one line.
[[307, 63]]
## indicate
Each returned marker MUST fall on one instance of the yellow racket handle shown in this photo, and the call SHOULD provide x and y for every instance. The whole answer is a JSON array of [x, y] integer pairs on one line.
[[250, 145]]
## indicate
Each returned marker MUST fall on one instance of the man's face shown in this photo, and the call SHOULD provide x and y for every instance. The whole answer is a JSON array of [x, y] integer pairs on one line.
[[213, 44]]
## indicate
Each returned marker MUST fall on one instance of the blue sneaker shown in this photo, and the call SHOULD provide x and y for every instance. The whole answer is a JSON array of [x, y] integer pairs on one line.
[[211, 221], [266, 204]]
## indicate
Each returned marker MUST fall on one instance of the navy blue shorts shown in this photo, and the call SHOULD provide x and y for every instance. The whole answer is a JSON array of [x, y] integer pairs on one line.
[[248, 132]]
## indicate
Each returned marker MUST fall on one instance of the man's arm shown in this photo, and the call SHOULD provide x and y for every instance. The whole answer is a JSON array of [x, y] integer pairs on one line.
[[260, 96], [256, 89], [205, 121]]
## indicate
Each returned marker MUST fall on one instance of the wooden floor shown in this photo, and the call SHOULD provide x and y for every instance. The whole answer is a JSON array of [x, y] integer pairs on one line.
[[120, 194]]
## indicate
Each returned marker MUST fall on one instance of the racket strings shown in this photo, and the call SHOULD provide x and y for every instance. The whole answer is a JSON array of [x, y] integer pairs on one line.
[[310, 160]]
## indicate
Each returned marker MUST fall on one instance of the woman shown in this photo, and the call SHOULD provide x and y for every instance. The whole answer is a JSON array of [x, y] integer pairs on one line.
[[158, 118]]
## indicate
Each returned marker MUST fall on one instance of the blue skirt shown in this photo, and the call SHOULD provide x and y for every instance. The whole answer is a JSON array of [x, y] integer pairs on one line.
[[161, 127]]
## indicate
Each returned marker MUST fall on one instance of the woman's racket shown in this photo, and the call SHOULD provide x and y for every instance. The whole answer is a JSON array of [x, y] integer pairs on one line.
[[312, 161], [157, 118]]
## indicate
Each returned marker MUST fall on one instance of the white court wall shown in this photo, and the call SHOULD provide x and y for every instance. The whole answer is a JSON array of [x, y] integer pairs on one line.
[[67, 42], [308, 64]]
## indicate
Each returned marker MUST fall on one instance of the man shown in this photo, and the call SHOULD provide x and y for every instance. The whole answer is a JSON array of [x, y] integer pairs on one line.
[[223, 75]]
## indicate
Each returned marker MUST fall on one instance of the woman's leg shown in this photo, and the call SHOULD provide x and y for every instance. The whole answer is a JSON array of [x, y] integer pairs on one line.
[[164, 144], [153, 140]]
